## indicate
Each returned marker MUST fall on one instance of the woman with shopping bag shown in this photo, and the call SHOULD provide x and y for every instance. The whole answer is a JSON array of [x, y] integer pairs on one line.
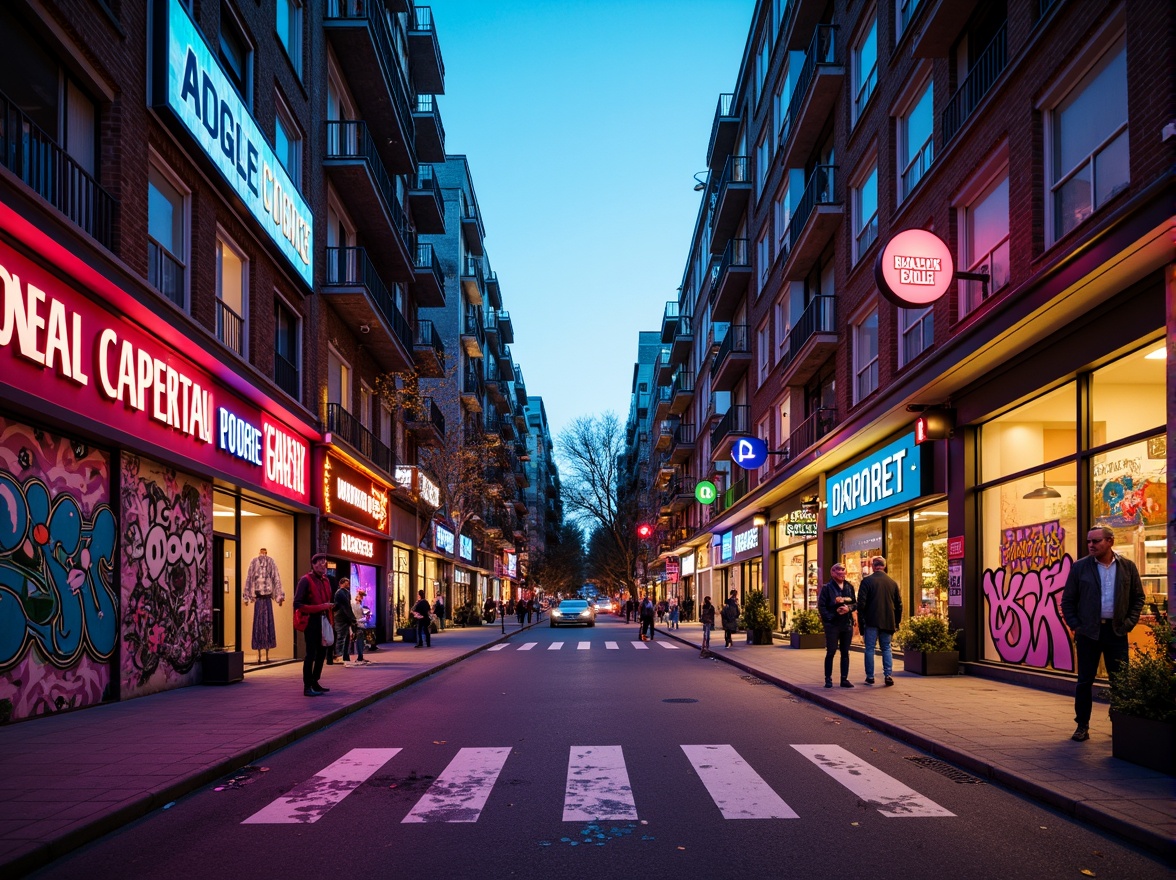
[[312, 614]]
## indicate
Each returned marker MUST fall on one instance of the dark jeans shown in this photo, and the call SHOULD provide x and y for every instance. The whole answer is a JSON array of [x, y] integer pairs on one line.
[[837, 638], [1113, 650], [424, 637], [647, 626], [316, 651]]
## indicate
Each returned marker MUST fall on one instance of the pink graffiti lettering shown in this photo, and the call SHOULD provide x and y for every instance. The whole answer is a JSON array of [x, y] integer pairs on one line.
[[1024, 616], [1029, 548]]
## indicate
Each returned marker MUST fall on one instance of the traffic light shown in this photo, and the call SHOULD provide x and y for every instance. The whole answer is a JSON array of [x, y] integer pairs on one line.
[[934, 423], [644, 531]]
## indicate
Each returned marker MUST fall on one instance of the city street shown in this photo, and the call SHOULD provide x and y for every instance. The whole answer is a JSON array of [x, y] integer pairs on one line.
[[585, 752]]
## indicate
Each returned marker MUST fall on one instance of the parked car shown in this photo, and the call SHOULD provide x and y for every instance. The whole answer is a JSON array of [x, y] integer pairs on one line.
[[573, 612]]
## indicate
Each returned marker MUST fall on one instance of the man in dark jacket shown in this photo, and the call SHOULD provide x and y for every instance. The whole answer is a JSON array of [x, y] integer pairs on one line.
[[646, 612], [879, 605], [345, 621], [835, 604], [730, 618], [1101, 603], [312, 597], [420, 616]]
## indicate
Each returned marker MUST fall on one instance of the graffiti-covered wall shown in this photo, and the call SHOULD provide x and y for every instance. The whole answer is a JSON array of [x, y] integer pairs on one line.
[[166, 576], [59, 612]]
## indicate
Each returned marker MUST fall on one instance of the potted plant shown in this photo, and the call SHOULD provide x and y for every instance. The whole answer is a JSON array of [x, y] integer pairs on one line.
[[807, 630], [221, 666], [1143, 703], [929, 646], [758, 619]]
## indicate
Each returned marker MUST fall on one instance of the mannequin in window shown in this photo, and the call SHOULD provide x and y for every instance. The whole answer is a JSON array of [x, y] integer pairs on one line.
[[263, 586]]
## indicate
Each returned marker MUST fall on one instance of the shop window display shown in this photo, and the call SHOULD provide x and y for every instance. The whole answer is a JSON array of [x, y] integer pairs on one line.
[[1127, 396], [1045, 429]]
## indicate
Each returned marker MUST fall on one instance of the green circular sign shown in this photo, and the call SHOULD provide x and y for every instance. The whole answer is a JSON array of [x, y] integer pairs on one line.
[[705, 492]]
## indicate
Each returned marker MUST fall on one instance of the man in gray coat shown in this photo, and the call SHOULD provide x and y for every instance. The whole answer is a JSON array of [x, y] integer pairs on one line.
[[1101, 603], [879, 605]]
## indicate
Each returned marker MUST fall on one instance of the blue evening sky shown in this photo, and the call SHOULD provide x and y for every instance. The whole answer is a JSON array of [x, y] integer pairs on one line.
[[584, 122]]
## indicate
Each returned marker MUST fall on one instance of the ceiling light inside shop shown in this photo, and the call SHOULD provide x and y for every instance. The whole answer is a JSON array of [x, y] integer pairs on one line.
[[1160, 354]]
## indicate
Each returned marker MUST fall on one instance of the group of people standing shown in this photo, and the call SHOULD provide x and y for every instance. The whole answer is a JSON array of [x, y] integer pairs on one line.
[[878, 603], [319, 610]]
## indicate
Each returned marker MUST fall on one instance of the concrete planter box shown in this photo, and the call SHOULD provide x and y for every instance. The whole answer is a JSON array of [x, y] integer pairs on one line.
[[808, 640], [222, 667], [1144, 741], [934, 663]]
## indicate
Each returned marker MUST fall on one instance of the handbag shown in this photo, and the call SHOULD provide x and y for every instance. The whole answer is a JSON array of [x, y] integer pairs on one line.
[[301, 620], [328, 631]]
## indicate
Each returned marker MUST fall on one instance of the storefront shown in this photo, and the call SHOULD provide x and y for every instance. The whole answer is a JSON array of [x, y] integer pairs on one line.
[[138, 487], [435, 570], [739, 558], [689, 597], [795, 571]]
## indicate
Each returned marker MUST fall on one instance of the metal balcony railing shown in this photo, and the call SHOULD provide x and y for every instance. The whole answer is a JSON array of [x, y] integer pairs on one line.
[[816, 318], [918, 166], [735, 171], [819, 190], [428, 104], [426, 258], [735, 342], [34, 157], [473, 326], [426, 334], [736, 421], [472, 382], [230, 328], [286, 376], [165, 272], [433, 415], [345, 426], [734, 492], [351, 140], [812, 429], [683, 382], [736, 255], [976, 84], [821, 50], [350, 267], [684, 435], [685, 326]]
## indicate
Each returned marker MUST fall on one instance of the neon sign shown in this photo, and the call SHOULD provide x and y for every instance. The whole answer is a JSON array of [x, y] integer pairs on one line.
[[442, 538], [237, 437], [914, 268], [890, 476], [466, 548], [347, 492], [349, 543]]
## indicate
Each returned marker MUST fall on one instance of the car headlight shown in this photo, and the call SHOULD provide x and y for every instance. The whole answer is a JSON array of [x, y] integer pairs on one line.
[[555, 612], [585, 613]]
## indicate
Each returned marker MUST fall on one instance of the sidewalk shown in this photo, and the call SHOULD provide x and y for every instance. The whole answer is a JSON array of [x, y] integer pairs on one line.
[[1016, 736], [69, 779]]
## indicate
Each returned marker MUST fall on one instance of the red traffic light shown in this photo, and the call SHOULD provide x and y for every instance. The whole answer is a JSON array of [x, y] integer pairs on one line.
[[644, 530], [934, 423]]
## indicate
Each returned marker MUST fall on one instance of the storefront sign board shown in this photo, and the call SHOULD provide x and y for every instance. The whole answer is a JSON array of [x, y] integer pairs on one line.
[[354, 546], [687, 565], [889, 477], [349, 494], [914, 268], [801, 524], [955, 547], [442, 539], [465, 548]]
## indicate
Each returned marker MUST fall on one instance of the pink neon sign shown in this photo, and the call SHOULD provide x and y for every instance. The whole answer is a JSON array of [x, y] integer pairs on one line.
[[914, 268], [58, 345]]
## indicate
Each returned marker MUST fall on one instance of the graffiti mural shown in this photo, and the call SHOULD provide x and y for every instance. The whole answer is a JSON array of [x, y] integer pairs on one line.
[[166, 576], [58, 606], [1024, 597]]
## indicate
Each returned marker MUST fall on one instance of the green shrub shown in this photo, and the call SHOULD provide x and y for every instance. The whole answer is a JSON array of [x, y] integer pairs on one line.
[[1146, 688], [807, 623], [926, 633], [756, 613]]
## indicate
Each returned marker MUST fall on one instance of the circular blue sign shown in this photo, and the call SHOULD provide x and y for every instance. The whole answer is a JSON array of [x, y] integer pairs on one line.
[[749, 452]]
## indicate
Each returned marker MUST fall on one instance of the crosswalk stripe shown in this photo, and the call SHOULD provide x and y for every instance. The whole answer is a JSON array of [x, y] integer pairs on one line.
[[310, 801], [527, 646], [890, 796], [498, 647], [584, 646], [641, 646], [737, 790], [598, 785], [555, 646], [460, 792], [668, 645], [612, 646]]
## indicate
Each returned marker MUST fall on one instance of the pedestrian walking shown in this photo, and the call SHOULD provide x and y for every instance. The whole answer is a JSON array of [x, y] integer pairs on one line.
[[522, 610], [879, 607], [421, 614], [313, 600], [730, 618], [361, 623], [707, 616], [647, 613], [344, 616], [674, 612], [629, 610], [835, 605], [1101, 603], [439, 610]]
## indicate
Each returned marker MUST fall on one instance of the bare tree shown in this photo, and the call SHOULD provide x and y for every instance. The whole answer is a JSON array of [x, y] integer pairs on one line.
[[560, 568]]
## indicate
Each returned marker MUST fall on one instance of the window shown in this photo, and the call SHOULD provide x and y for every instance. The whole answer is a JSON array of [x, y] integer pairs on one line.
[[287, 333], [917, 327], [289, 28], [338, 380], [232, 295], [782, 217], [865, 69], [916, 143], [385, 432], [985, 242], [167, 235], [288, 143], [763, 351], [365, 405], [762, 59], [763, 257], [763, 159], [1088, 150], [783, 323], [764, 431], [865, 212], [865, 356], [904, 12], [785, 425], [236, 55]]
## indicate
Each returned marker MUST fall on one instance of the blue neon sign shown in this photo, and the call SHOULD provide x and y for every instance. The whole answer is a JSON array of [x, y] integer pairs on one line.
[[892, 475], [465, 547], [749, 452]]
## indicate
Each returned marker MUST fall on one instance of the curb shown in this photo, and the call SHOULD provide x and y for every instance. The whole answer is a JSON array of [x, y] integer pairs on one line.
[[1083, 811]]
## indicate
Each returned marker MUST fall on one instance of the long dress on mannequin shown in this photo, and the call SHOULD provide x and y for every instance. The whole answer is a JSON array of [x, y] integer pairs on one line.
[[263, 586]]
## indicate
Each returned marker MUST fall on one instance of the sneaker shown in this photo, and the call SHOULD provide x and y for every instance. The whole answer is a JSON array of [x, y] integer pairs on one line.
[[321, 688], [869, 681], [347, 664], [1082, 734], [311, 692], [889, 682], [828, 682], [846, 683]]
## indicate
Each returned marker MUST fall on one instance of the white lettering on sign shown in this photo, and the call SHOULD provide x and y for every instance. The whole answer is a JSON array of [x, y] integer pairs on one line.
[[874, 482], [237, 437], [748, 540], [373, 502], [285, 459], [43, 331], [349, 543]]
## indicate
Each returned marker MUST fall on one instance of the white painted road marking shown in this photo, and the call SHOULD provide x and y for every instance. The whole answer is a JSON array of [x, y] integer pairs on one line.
[[737, 790], [584, 646], [498, 647], [668, 645], [598, 785], [528, 646], [460, 792], [612, 646], [890, 796], [310, 801]]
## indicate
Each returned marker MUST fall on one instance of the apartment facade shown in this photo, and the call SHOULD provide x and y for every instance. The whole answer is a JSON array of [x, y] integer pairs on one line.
[[1033, 140]]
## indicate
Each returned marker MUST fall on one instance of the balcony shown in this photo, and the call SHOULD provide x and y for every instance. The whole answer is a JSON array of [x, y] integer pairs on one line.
[[663, 436], [424, 52], [812, 226], [355, 290], [51, 173], [810, 342], [733, 493], [724, 131], [494, 291], [428, 286], [473, 334], [491, 321], [472, 387], [661, 402], [729, 202], [682, 445], [663, 370], [358, 173], [506, 364], [166, 274], [472, 229], [492, 421], [286, 376], [230, 328], [520, 388], [426, 202], [980, 78], [665, 473], [429, 351], [343, 426], [430, 133], [426, 425], [495, 386], [472, 281], [505, 327], [729, 279], [813, 98], [735, 424], [679, 498], [732, 360], [941, 25], [358, 32], [811, 430], [682, 391], [669, 322], [683, 340]]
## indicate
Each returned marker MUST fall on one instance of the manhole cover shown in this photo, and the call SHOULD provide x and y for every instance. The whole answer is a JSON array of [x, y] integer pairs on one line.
[[952, 773], [680, 700], [751, 679]]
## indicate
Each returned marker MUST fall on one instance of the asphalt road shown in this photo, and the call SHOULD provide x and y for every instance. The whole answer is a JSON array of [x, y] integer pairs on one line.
[[599, 761]]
